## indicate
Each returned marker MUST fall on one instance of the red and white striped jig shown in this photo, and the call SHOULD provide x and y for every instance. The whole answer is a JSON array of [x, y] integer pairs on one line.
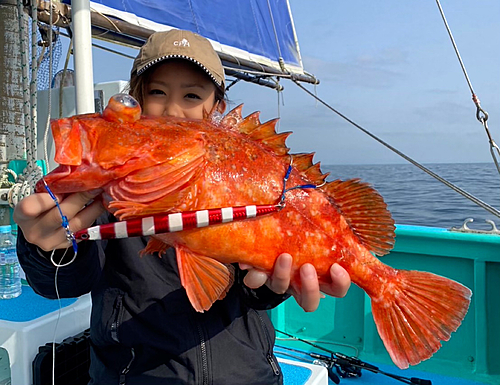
[[168, 223]]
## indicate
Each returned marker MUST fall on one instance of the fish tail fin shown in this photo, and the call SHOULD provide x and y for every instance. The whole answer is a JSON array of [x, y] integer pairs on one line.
[[416, 312]]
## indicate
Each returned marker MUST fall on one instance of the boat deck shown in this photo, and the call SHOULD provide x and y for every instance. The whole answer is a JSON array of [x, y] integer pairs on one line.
[[299, 376]]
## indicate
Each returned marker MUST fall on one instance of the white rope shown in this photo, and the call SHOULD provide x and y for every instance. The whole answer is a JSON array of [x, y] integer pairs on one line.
[[49, 109], [25, 83], [24, 185], [33, 87]]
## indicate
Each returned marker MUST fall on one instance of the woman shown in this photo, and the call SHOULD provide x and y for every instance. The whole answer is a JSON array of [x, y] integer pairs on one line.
[[143, 327]]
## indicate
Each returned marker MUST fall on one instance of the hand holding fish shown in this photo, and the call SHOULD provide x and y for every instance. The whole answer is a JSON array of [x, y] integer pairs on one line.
[[310, 289], [40, 220]]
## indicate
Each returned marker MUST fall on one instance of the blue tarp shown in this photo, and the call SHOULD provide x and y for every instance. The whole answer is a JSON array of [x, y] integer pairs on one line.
[[257, 30]]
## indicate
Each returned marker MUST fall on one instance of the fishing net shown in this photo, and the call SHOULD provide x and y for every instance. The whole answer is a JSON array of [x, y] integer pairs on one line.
[[44, 77]]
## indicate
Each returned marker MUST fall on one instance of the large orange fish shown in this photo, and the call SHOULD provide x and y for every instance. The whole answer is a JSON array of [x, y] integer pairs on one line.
[[151, 165]]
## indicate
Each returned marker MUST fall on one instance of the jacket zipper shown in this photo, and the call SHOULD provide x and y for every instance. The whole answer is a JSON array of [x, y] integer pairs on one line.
[[124, 372], [204, 359], [270, 357], [114, 325]]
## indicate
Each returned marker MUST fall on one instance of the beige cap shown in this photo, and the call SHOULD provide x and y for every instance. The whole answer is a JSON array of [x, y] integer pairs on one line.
[[180, 44]]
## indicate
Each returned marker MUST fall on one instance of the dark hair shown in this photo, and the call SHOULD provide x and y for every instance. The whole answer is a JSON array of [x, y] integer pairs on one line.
[[137, 85]]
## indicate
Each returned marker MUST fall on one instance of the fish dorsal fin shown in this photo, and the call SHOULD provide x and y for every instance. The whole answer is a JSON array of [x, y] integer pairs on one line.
[[233, 118], [304, 164], [303, 161], [365, 211], [249, 123], [265, 133], [205, 279], [251, 126]]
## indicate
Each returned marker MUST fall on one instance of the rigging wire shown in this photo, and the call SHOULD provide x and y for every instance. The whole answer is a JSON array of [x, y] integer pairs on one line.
[[481, 114], [280, 56], [111, 50], [457, 189]]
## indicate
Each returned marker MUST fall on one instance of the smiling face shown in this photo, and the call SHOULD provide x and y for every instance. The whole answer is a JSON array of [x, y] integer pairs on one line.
[[178, 88]]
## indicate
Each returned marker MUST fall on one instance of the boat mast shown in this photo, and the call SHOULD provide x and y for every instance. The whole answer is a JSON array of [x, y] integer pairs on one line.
[[84, 75]]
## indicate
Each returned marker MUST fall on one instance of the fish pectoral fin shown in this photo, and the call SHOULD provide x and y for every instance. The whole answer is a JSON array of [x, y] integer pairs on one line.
[[366, 212], [205, 279], [126, 210], [158, 188], [416, 312]]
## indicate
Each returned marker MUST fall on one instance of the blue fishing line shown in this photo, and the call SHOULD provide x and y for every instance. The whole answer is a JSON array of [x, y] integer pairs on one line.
[[69, 235], [285, 190]]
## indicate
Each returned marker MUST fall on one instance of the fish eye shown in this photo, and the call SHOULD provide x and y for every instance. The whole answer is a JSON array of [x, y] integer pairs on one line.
[[122, 108], [126, 100]]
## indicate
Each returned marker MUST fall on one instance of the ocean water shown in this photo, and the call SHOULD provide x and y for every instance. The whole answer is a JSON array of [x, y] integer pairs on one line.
[[416, 198]]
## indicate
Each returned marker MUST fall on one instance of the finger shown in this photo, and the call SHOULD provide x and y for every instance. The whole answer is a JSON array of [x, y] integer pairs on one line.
[[58, 238], [309, 291], [280, 279], [41, 221], [68, 207], [32, 206], [74, 203], [255, 278], [87, 216], [341, 281]]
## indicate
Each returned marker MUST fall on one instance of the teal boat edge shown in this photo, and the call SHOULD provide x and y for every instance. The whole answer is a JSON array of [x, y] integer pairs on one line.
[[346, 325]]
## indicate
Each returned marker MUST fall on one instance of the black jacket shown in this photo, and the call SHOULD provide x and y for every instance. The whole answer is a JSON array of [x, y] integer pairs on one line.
[[143, 327]]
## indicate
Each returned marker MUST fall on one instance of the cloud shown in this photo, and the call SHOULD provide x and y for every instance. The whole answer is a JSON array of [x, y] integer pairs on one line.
[[386, 57], [376, 71], [447, 117]]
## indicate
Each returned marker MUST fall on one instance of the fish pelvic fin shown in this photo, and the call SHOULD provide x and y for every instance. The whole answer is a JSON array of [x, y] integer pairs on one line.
[[417, 311], [365, 211], [205, 279], [155, 245]]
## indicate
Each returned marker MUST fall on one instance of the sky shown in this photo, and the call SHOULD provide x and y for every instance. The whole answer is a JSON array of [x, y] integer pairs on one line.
[[389, 66]]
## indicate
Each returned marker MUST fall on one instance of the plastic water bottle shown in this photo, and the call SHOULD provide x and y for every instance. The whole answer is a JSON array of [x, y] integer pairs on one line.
[[10, 279]]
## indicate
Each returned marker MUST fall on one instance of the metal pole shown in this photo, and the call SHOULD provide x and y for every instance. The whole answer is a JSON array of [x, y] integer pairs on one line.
[[84, 75]]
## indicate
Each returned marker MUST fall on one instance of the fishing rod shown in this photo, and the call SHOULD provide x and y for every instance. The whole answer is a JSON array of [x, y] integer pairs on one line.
[[347, 366]]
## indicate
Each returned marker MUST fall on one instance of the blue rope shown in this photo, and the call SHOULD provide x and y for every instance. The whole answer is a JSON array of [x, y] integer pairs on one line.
[[69, 235], [285, 190]]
